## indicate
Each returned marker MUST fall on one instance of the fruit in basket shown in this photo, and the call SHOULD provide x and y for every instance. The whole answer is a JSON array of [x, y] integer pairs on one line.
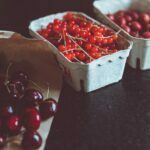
[[145, 18], [31, 119], [79, 39], [48, 108], [13, 125], [31, 140], [134, 22], [146, 34], [136, 26], [6, 111], [26, 111]]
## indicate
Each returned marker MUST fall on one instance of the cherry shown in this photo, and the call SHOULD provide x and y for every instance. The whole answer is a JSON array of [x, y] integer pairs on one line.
[[32, 96], [48, 108], [6, 111], [119, 14], [146, 34], [134, 14], [126, 28], [134, 34], [145, 18], [134, 22], [13, 124], [128, 18], [21, 76], [31, 119], [31, 140], [121, 21], [147, 26], [136, 26]]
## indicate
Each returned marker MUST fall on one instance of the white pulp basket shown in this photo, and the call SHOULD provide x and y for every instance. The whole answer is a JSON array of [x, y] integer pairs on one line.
[[88, 77], [140, 53]]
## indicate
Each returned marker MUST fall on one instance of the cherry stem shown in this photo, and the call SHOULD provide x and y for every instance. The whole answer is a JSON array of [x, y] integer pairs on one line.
[[48, 91], [35, 84], [60, 38], [70, 50]]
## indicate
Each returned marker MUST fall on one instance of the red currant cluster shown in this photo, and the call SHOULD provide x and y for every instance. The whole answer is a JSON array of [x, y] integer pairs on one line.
[[134, 22], [80, 39], [22, 109]]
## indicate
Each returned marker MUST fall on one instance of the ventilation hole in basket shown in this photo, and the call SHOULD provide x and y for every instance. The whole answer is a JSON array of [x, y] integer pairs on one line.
[[120, 57], [99, 65], [110, 61], [138, 63], [82, 85]]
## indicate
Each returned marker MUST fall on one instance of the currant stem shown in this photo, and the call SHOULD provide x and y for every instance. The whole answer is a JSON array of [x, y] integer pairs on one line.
[[76, 38], [71, 50], [80, 47]]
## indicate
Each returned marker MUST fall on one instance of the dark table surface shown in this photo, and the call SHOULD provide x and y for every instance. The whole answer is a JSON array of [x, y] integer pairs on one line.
[[116, 117]]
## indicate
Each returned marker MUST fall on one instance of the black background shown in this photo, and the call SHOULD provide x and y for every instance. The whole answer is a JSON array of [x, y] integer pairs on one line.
[[116, 117]]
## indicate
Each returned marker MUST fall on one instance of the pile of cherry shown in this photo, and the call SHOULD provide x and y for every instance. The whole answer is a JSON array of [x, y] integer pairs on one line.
[[80, 39], [134, 22], [22, 109]]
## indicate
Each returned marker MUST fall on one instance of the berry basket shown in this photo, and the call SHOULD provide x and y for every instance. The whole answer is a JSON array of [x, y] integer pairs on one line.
[[140, 53], [94, 75]]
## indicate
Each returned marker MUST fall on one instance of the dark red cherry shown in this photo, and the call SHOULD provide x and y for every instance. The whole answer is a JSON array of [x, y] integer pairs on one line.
[[22, 76], [136, 26], [33, 96], [126, 28], [31, 119], [6, 111], [146, 35], [13, 124], [144, 18], [31, 140], [48, 108]]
